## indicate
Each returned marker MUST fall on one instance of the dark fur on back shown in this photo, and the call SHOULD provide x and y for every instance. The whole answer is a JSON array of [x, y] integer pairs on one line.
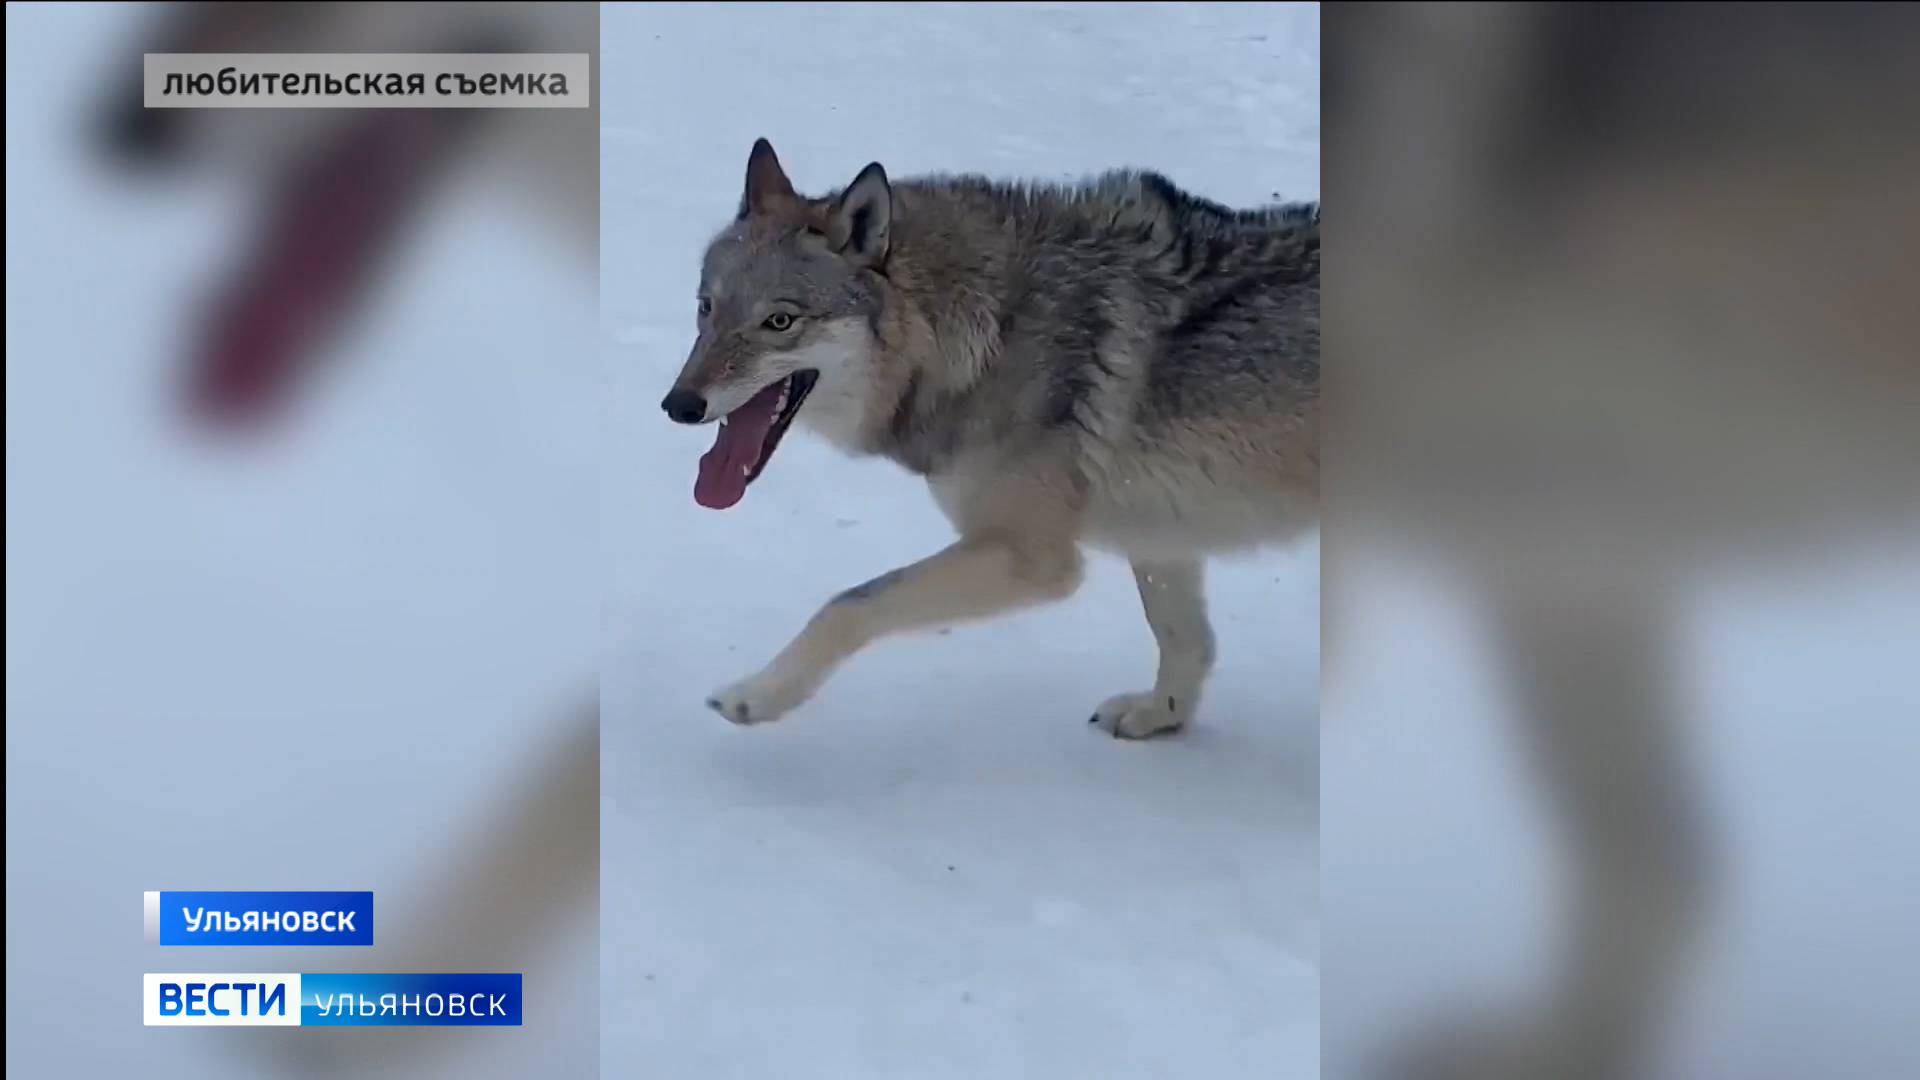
[[1114, 309]]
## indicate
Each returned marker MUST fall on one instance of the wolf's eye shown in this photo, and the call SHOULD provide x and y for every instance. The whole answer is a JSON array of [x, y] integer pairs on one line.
[[779, 320], [706, 306]]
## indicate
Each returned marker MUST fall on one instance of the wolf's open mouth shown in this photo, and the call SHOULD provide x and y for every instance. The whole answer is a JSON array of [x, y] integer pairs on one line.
[[334, 217], [748, 436]]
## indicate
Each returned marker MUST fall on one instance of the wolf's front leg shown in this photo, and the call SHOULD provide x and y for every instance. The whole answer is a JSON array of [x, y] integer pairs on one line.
[[973, 579], [1596, 690], [1175, 597]]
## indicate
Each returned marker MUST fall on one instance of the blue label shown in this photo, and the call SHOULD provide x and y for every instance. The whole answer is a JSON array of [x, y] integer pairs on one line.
[[391, 1000], [261, 918]]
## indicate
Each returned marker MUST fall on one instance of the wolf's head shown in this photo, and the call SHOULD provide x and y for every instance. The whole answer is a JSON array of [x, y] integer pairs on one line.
[[789, 308]]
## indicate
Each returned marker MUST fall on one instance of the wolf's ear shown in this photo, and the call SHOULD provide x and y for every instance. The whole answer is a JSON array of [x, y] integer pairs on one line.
[[767, 182], [862, 218]]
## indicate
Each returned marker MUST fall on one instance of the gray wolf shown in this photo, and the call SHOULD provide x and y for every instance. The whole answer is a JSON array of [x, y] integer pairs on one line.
[[1631, 316], [1116, 365]]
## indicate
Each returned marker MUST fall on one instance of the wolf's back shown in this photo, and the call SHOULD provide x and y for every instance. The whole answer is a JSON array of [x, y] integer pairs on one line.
[[1241, 293]]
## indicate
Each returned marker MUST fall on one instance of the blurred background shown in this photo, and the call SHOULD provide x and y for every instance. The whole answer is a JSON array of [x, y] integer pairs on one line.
[[1623, 591], [301, 525]]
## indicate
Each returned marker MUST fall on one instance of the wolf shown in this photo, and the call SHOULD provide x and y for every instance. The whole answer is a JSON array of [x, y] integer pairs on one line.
[[1630, 314], [1116, 365]]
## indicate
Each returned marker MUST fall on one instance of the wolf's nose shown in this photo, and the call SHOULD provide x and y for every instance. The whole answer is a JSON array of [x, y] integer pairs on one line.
[[684, 406]]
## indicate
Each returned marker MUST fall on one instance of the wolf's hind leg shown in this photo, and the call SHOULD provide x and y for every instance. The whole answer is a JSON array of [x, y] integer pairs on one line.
[[1174, 594], [973, 579]]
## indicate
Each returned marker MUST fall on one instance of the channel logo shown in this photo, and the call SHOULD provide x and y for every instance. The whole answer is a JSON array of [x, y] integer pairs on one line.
[[331, 1000], [259, 918], [234, 1000]]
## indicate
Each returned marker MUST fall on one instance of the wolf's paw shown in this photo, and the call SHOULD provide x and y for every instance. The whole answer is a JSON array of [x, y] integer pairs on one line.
[[760, 699], [1142, 716]]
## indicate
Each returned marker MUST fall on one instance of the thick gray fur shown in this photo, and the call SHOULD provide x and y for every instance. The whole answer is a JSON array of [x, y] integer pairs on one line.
[[1115, 363]]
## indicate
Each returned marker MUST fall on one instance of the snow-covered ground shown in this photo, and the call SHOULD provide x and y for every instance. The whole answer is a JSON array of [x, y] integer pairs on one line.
[[324, 665], [936, 868], [1803, 743]]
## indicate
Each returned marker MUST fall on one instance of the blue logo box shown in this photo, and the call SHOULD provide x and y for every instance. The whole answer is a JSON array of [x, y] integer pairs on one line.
[[259, 918], [392, 1000], [331, 1000]]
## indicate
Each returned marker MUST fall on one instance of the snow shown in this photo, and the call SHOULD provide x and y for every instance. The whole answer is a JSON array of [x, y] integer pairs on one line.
[[322, 665], [327, 664], [1801, 743], [936, 868]]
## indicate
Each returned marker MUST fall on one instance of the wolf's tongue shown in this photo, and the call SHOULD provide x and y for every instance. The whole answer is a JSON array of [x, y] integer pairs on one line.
[[331, 222], [723, 470]]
